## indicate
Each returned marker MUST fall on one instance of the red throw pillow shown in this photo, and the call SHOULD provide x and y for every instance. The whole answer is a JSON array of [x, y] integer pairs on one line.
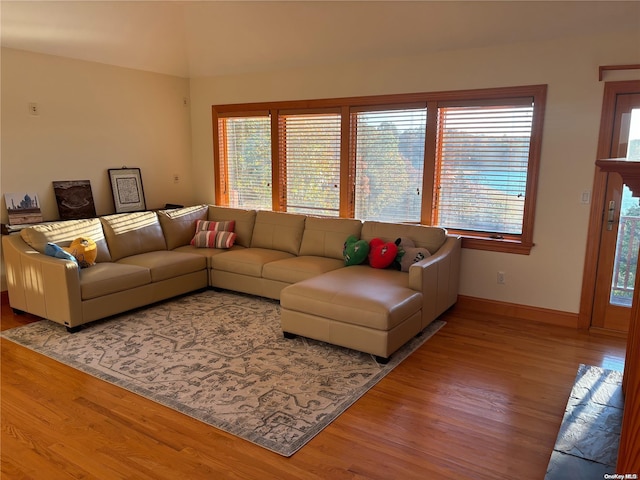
[[381, 253]]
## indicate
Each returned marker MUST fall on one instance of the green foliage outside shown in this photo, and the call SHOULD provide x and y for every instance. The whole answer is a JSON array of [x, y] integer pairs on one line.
[[249, 162], [389, 172], [313, 164]]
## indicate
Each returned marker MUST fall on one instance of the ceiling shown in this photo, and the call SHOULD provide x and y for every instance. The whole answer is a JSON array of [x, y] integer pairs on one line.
[[208, 38]]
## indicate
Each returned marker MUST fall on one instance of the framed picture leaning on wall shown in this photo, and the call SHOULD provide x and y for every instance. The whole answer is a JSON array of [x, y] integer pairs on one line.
[[126, 185], [74, 199]]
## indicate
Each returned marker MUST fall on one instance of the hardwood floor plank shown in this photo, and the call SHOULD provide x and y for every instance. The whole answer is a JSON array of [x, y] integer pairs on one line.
[[482, 399]]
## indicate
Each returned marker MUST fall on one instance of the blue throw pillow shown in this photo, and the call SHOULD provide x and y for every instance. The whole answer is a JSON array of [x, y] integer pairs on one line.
[[54, 250]]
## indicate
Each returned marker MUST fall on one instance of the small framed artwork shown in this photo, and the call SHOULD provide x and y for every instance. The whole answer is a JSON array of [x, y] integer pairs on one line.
[[23, 208], [126, 185], [75, 199]]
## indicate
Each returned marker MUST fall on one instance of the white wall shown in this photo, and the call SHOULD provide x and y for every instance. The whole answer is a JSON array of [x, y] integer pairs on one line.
[[551, 276], [92, 117]]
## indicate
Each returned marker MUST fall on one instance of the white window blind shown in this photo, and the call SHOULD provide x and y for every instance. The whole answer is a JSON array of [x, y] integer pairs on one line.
[[310, 162], [482, 163], [389, 163], [246, 143]]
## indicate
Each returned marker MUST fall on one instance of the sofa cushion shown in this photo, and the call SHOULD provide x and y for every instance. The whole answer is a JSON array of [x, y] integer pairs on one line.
[[166, 264], [325, 237], [244, 221], [431, 238], [179, 225], [278, 231], [107, 278], [63, 233], [291, 270], [207, 253], [247, 261], [133, 233], [357, 295]]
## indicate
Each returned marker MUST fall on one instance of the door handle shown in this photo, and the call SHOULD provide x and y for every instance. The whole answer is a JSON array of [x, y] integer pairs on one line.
[[611, 215]]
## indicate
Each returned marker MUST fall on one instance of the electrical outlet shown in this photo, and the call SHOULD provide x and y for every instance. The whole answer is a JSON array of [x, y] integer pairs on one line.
[[176, 178], [33, 109], [501, 278]]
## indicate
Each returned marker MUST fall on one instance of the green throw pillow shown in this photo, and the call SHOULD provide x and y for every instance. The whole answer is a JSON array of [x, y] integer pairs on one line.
[[355, 251]]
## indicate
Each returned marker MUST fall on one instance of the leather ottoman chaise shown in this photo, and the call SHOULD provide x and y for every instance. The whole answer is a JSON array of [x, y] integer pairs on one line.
[[376, 310]]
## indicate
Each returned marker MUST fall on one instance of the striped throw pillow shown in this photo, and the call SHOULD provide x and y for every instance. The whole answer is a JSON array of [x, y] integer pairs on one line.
[[212, 239], [206, 225], [213, 227]]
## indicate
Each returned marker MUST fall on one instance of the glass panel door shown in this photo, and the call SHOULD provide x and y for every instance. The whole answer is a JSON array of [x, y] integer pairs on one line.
[[628, 242], [620, 234]]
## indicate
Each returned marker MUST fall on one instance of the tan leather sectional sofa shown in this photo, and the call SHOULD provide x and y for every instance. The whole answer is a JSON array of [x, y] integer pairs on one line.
[[146, 257]]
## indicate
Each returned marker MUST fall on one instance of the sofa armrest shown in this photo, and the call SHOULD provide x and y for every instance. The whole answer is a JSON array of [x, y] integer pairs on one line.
[[41, 285], [438, 278]]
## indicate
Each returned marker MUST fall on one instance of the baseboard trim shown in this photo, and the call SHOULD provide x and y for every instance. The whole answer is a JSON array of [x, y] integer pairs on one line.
[[520, 312], [607, 333]]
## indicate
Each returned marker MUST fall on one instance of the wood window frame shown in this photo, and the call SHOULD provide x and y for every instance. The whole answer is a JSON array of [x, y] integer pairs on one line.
[[518, 244]]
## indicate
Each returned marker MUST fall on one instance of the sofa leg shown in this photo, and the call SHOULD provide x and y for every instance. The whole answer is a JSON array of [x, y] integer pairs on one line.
[[17, 311], [382, 360], [74, 329], [289, 335]]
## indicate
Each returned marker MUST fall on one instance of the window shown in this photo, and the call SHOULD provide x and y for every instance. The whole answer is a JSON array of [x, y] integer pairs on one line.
[[483, 154], [465, 160], [389, 161], [246, 172], [310, 159]]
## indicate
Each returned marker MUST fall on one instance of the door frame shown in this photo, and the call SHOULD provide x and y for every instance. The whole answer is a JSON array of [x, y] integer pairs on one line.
[[596, 217]]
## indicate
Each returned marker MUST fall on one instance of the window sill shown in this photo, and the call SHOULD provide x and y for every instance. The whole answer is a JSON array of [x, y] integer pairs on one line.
[[503, 245]]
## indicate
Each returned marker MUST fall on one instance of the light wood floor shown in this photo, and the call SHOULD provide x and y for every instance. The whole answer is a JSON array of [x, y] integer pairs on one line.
[[482, 399]]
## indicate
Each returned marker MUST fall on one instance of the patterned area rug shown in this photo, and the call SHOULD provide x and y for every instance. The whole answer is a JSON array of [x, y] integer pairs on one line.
[[221, 358]]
